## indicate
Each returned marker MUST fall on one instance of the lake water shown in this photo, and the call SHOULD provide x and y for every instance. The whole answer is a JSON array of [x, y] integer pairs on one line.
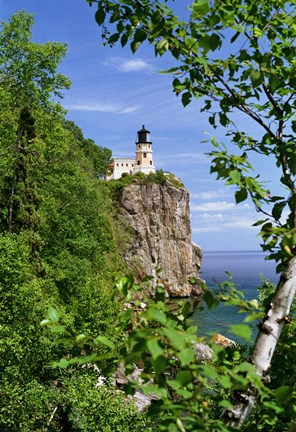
[[246, 268]]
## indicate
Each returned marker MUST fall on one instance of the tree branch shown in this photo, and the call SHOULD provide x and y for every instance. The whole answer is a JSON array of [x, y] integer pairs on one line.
[[272, 100], [267, 339], [239, 105]]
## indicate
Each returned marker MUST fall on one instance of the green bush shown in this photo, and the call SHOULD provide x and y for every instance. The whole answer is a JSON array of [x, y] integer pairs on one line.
[[98, 408]]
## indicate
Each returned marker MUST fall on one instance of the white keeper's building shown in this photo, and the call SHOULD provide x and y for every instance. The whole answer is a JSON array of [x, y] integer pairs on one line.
[[143, 161]]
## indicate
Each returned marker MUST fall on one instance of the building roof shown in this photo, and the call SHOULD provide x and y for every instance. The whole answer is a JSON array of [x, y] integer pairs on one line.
[[144, 130]]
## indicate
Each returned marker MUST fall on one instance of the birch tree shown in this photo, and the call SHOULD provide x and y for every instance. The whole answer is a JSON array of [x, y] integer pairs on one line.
[[235, 56]]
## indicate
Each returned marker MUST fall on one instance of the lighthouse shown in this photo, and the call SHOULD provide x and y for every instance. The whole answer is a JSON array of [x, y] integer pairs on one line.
[[144, 160], [142, 163]]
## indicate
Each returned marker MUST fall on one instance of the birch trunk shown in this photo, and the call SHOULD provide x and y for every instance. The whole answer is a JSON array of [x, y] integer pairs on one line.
[[267, 339]]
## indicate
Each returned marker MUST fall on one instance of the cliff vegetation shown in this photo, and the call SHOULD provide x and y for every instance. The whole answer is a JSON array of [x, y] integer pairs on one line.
[[66, 322], [58, 248]]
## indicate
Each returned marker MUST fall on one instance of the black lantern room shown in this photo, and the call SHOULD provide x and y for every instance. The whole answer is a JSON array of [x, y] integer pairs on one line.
[[143, 136]]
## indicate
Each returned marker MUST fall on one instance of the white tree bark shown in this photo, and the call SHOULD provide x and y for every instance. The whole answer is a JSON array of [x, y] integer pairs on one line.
[[267, 339]]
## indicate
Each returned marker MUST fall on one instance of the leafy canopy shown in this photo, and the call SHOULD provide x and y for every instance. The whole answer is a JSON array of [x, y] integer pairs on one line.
[[57, 247], [27, 68]]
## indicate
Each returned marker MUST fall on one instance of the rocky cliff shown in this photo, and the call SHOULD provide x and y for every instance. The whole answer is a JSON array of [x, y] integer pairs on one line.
[[159, 217]]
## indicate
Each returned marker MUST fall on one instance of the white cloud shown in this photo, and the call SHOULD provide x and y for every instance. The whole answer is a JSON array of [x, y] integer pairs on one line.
[[134, 65], [127, 66], [205, 229], [106, 108], [193, 157], [182, 159], [218, 222], [210, 194], [212, 216], [238, 222], [212, 206]]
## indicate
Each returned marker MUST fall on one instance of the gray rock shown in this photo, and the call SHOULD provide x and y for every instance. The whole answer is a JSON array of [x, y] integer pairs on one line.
[[159, 216], [203, 352]]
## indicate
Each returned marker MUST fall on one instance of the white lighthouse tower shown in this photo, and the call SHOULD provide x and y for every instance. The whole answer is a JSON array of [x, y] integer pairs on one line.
[[144, 160]]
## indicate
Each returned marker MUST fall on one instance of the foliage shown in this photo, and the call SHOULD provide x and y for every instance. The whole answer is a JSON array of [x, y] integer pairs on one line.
[[236, 57], [100, 156], [190, 392], [158, 177], [57, 235], [28, 80], [108, 410], [57, 246], [29, 69], [283, 370]]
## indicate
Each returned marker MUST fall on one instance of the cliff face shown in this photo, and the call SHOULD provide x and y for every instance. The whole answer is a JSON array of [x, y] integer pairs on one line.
[[159, 217]]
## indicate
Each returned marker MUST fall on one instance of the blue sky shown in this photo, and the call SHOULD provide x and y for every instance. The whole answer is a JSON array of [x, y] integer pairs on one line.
[[114, 93]]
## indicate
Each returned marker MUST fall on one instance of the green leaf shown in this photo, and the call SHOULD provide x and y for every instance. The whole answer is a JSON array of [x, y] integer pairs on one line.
[[180, 425], [254, 316], [245, 367], [80, 337], [225, 381], [154, 348], [187, 356], [53, 314], [278, 209], [284, 393], [124, 39], [256, 77], [161, 392], [241, 195], [162, 46], [185, 394], [214, 41], [259, 222], [159, 364], [63, 363], [210, 300], [45, 322], [177, 338], [186, 98], [292, 163], [274, 83], [242, 330], [105, 341], [184, 377], [235, 176], [100, 16], [135, 45], [208, 372], [201, 7], [140, 35], [58, 329], [154, 314], [204, 42], [223, 118], [114, 38], [124, 284], [225, 403]]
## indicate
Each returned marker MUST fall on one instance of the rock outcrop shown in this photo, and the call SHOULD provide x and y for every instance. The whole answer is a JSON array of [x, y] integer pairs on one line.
[[159, 217]]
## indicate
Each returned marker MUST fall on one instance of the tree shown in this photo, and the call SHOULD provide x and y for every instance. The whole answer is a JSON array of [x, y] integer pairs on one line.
[[57, 247], [28, 81], [236, 56], [100, 156]]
